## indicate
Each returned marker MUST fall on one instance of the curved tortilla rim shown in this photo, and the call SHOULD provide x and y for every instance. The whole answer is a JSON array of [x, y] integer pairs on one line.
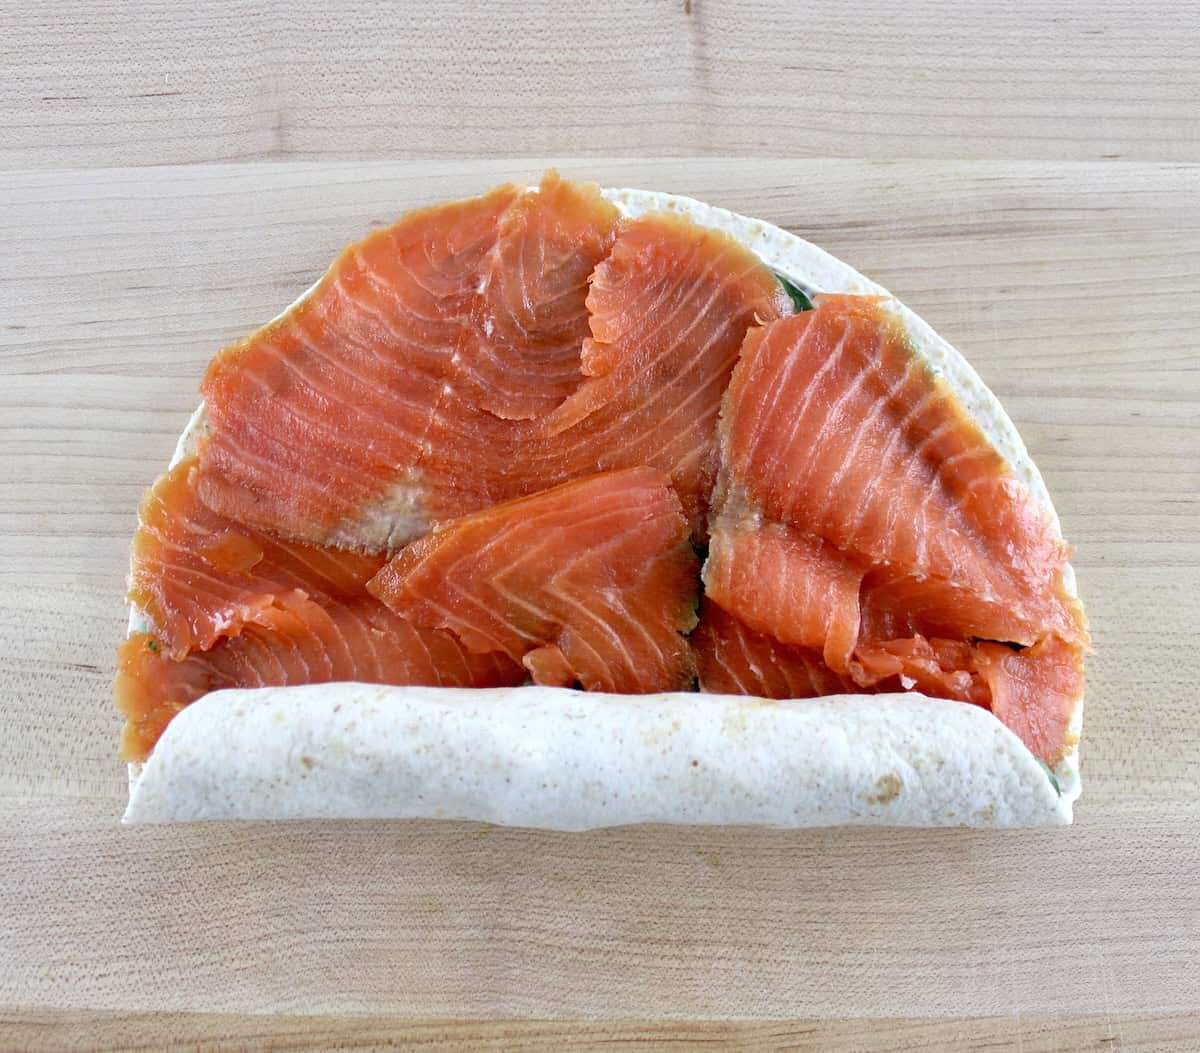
[[815, 270]]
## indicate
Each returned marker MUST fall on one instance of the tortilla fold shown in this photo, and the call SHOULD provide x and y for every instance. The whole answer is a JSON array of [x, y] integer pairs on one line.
[[569, 760]]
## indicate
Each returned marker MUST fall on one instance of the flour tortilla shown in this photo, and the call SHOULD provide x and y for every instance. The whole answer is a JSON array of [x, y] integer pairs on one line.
[[572, 760], [565, 760]]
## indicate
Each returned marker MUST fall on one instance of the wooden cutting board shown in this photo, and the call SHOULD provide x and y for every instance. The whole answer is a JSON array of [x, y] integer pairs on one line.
[[1071, 282]]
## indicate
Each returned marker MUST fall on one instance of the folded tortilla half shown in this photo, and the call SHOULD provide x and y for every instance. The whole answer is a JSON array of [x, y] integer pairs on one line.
[[567, 760]]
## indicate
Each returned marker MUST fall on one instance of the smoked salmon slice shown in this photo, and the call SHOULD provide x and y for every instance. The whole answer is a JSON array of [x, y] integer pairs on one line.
[[593, 581], [938, 667], [295, 642], [1034, 691], [522, 356], [792, 585], [373, 407], [319, 424], [862, 515], [669, 307], [836, 427], [666, 313], [233, 606], [733, 659], [200, 575], [478, 352]]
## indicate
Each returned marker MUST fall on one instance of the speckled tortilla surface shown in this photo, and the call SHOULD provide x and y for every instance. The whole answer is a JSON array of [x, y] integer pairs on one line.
[[572, 760]]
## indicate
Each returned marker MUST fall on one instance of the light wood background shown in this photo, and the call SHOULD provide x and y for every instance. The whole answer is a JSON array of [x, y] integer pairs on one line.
[[1024, 177]]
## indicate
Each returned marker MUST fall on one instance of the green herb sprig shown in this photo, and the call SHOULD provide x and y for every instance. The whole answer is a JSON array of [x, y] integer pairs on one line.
[[1050, 776], [799, 299]]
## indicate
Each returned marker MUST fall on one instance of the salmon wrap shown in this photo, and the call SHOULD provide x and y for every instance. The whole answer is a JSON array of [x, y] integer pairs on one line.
[[569, 508]]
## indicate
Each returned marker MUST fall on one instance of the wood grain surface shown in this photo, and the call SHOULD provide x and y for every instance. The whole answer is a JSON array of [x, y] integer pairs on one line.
[[94, 82], [35, 1031], [1071, 280]]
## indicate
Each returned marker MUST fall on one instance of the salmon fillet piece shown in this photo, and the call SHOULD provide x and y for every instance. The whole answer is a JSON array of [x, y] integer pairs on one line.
[[232, 606], [200, 575], [522, 357], [836, 427], [295, 642], [320, 423], [593, 581], [670, 307], [794, 586], [733, 659], [477, 352], [368, 410], [862, 514]]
